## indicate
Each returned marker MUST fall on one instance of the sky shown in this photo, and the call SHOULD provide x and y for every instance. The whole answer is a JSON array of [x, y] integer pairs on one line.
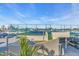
[[39, 13]]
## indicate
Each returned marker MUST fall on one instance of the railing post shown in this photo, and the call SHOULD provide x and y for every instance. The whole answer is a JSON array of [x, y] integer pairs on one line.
[[7, 45], [66, 42]]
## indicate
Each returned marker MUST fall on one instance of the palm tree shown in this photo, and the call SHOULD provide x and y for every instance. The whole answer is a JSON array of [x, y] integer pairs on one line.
[[25, 48]]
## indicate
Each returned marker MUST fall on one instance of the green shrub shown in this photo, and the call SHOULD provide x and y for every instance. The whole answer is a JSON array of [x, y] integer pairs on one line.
[[25, 49], [49, 36]]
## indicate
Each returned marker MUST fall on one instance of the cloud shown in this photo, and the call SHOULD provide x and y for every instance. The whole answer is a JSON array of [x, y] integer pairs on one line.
[[8, 20], [20, 14], [34, 22], [71, 18], [21, 17]]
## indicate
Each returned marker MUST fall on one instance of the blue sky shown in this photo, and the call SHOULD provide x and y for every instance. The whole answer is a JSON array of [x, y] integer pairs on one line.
[[42, 13]]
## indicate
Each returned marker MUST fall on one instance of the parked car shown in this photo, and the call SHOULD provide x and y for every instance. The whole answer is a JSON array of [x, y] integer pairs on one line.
[[74, 44]]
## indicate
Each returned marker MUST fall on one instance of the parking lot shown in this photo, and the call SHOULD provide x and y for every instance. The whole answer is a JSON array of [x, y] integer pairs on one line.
[[71, 51]]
